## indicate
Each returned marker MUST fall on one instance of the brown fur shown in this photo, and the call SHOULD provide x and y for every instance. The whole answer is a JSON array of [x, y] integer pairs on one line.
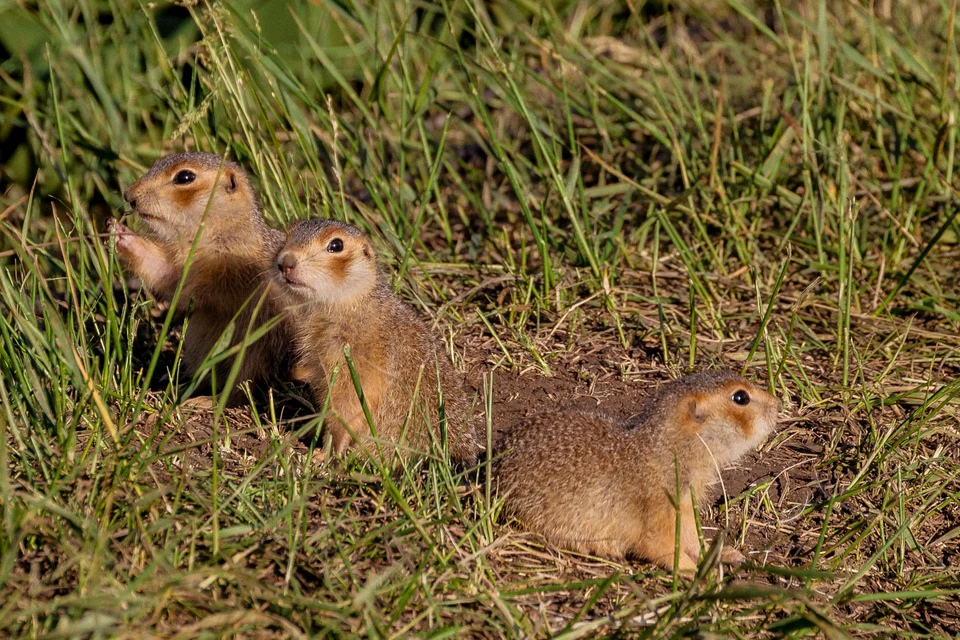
[[590, 483], [231, 265], [343, 299]]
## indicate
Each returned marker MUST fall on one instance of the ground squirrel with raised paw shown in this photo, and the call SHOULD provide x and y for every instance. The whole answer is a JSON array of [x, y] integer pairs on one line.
[[339, 296], [231, 265], [590, 483]]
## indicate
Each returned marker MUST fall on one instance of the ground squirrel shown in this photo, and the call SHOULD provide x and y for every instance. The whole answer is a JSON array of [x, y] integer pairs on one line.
[[231, 265], [590, 483], [339, 296]]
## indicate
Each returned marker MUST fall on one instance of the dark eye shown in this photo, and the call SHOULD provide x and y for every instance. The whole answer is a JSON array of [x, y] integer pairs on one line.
[[335, 246], [741, 397], [184, 177]]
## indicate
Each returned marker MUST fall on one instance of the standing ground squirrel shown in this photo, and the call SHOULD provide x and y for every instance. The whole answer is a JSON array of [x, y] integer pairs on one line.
[[590, 483], [339, 296], [232, 262]]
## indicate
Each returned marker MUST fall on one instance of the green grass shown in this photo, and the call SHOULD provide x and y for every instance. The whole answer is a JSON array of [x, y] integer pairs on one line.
[[605, 193]]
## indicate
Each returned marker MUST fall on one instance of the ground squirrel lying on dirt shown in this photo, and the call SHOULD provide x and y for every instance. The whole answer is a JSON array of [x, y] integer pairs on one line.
[[589, 483], [338, 296], [231, 265]]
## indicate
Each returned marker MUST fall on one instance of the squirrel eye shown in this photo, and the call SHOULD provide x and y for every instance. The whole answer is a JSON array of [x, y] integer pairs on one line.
[[184, 177], [741, 397], [335, 246]]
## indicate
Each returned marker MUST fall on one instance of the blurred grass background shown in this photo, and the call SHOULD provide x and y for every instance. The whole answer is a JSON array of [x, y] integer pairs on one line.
[[672, 185]]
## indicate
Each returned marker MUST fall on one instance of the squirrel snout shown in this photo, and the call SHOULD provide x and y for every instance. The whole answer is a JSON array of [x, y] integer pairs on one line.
[[130, 197], [286, 263]]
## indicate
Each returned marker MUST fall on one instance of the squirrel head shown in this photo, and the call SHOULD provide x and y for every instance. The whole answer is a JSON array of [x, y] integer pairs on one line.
[[327, 262], [172, 198], [729, 414], [718, 410]]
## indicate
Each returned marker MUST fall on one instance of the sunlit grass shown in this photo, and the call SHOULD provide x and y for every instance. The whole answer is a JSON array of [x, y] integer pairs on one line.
[[578, 191]]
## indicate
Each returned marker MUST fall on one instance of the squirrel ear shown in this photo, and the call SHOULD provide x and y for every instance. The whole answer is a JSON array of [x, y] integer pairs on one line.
[[694, 410], [231, 181]]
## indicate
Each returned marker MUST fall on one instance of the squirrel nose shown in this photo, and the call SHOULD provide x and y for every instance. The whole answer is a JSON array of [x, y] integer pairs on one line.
[[130, 197], [286, 263]]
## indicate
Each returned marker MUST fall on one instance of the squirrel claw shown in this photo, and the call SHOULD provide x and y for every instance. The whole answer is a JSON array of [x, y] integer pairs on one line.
[[121, 233], [114, 226]]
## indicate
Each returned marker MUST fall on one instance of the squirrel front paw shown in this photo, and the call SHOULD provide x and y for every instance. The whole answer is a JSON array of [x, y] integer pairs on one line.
[[114, 227], [732, 557], [122, 235]]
